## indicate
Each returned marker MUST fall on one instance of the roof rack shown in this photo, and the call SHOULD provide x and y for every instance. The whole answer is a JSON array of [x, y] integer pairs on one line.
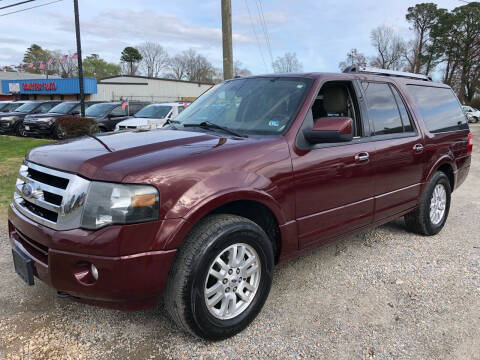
[[376, 71]]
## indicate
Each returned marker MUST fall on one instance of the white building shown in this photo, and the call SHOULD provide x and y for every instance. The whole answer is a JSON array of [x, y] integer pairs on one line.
[[142, 88]]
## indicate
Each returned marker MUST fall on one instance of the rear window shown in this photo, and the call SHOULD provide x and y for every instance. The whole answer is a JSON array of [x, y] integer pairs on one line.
[[439, 107]]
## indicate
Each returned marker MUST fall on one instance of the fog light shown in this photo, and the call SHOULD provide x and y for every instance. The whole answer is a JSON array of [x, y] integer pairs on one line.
[[94, 272]]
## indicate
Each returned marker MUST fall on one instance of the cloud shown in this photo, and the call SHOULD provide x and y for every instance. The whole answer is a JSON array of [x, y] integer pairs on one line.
[[139, 26], [275, 17]]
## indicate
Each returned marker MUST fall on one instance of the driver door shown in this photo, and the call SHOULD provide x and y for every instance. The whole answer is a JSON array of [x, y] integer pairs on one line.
[[333, 182]]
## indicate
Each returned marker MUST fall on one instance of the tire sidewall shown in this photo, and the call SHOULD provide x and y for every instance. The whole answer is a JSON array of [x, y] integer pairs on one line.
[[438, 178], [209, 326]]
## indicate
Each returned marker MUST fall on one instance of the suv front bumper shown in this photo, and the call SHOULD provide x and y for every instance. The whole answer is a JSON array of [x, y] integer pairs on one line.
[[126, 282], [38, 128]]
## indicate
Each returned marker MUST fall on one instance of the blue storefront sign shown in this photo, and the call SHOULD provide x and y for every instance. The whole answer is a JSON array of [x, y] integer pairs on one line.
[[49, 86]]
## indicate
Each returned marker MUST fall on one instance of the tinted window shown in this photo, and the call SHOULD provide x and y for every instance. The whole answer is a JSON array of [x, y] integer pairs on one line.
[[439, 107], [42, 109], [99, 109], [27, 107], [154, 111], [118, 111], [407, 122], [63, 108], [382, 109]]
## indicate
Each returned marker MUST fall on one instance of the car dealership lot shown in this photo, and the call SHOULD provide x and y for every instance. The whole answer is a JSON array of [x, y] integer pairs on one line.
[[384, 294]]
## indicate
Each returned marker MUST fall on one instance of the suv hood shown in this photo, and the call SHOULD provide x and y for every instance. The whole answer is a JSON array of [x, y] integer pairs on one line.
[[113, 156], [19, 114]]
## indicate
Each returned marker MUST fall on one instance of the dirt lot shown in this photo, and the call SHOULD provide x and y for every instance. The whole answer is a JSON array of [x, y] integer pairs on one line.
[[385, 294]]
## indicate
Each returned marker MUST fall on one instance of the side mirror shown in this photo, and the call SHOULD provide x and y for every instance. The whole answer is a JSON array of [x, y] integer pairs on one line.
[[76, 113], [330, 130]]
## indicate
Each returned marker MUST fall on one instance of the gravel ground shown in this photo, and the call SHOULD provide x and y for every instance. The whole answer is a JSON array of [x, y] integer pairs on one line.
[[384, 294]]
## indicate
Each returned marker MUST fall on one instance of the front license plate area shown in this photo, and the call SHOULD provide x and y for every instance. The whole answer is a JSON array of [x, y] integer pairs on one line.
[[23, 265]]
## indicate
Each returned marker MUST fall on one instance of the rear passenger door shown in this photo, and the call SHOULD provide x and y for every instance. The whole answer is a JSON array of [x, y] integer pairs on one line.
[[399, 150]]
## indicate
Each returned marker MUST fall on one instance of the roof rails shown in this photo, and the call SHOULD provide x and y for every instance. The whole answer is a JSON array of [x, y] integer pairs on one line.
[[376, 71]]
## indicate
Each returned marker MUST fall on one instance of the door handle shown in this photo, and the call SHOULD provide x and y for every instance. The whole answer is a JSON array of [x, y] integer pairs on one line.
[[361, 157], [418, 148]]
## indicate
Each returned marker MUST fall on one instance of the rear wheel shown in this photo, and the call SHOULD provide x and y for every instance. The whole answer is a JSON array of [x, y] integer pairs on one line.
[[221, 277], [430, 217]]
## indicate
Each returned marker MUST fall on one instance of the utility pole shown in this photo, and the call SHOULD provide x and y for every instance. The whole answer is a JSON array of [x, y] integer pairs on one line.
[[227, 39], [79, 59]]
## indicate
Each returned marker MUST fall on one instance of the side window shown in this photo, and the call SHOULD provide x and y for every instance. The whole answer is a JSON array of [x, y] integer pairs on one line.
[[135, 108], [406, 120], [118, 111], [44, 108], [382, 109], [439, 107], [337, 99], [180, 109]]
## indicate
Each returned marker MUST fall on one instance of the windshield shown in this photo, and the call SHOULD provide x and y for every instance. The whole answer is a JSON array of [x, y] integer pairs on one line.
[[154, 111], [27, 107], [99, 109], [263, 105], [63, 108], [11, 106]]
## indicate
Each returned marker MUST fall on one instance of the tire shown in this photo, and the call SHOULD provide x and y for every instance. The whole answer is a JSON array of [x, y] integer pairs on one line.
[[186, 296], [420, 220], [20, 130]]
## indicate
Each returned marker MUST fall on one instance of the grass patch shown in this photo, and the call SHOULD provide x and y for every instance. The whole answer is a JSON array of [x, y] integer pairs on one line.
[[12, 152]]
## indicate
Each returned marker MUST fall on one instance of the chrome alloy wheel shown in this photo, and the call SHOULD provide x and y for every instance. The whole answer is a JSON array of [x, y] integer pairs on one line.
[[438, 203], [232, 281]]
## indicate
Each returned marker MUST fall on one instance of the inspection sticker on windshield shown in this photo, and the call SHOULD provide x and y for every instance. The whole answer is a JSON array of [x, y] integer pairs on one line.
[[275, 123]]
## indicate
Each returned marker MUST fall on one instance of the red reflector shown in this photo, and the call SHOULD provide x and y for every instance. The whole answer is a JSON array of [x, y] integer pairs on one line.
[[470, 144]]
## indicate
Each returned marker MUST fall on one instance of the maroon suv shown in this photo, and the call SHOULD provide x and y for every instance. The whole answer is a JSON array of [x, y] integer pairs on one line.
[[257, 170]]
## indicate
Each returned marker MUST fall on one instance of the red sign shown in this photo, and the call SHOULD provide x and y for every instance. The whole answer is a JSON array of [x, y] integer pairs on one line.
[[50, 86]]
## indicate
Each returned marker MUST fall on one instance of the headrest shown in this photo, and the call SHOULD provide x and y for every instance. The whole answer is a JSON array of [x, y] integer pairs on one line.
[[334, 100]]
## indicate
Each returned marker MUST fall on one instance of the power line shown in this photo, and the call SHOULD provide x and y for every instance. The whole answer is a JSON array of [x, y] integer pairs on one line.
[[16, 4], [256, 36], [264, 26], [32, 7]]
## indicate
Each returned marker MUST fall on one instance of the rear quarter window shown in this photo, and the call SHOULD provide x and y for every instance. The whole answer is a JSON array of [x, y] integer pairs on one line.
[[440, 108]]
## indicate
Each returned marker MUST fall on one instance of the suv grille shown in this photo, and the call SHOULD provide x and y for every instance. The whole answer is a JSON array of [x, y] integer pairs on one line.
[[50, 197]]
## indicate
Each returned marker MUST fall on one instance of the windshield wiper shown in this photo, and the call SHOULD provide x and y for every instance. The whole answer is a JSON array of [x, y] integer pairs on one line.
[[210, 125]]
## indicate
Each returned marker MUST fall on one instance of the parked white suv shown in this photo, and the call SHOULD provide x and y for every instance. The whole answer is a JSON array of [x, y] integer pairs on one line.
[[151, 116], [473, 115]]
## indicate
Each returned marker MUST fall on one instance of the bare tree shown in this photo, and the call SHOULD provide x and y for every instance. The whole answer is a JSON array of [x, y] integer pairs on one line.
[[191, 66], [390, 48], [154, 58], [65, 67], [287, 63], [239, 70], [354, 57]]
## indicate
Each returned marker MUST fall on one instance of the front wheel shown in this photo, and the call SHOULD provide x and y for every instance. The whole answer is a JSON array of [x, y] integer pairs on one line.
[[431, 215], [221, 277], [20, 130]]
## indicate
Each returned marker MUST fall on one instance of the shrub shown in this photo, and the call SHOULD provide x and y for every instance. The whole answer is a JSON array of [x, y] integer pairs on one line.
[[74, 126]]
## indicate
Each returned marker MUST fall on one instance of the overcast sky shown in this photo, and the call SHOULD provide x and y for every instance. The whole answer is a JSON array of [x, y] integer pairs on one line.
[[320, 32]]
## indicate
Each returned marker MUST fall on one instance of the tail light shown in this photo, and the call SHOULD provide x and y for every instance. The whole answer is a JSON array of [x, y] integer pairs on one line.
[[470, 144]]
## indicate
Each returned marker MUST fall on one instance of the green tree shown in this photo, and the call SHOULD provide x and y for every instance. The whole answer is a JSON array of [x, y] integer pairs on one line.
[[94, 66], [423, 17], [132, 57], [35, 54]]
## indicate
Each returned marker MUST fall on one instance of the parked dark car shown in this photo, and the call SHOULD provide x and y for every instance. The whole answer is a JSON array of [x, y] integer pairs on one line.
[[12, 122], [202, 209], [110, 114], [9, 106], [45, 124]]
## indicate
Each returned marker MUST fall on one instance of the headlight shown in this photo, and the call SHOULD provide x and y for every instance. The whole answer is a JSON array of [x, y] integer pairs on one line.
[[9, 118], [46, 119], [109, 204]]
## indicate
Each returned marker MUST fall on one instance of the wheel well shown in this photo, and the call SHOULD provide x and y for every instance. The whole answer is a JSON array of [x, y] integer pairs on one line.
[[447, 170], [259, 214]]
